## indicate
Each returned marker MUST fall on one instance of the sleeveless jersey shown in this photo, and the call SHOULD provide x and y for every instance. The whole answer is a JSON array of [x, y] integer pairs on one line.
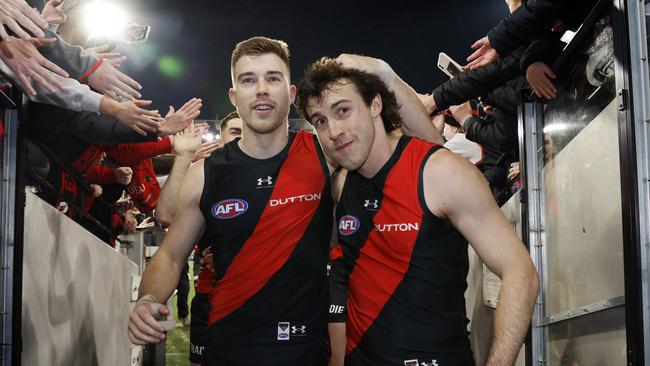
[[269, 222], [405, 269]]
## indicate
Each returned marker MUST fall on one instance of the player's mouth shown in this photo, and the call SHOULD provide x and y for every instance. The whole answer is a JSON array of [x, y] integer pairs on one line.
[[263, 109], [343, 146]]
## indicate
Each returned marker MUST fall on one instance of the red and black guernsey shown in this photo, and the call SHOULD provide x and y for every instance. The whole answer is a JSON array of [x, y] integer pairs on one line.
[[269, 222], [402, 277]]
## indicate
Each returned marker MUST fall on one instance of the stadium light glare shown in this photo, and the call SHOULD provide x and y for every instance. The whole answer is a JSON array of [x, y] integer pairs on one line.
[[104, 19]]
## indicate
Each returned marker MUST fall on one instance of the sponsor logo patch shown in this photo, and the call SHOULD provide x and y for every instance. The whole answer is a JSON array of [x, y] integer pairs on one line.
[[433, 363], [265, 182], [371, 204], [298, 330], [229, 208], [337, 309], [348, 225]]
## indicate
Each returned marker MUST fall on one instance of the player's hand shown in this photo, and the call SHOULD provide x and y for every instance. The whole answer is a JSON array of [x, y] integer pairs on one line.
[[113, 83], [26, 62], [103, 52], [188, 141], [206, 149], [179, 120], [367, 64], [483, 55], [53, 12], [123, 175], [144, 327], [539, 77], [16, 15], [139, 119], [206, 259], [363, 63]]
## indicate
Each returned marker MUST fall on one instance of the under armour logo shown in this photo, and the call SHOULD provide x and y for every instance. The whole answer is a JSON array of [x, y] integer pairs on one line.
[[371, 204], [298, 330], [415, 362], [268, 181]]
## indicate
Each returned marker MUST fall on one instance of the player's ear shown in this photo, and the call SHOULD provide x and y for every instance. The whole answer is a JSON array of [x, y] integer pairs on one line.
[[292, 93], [376, 106], [232, 94]]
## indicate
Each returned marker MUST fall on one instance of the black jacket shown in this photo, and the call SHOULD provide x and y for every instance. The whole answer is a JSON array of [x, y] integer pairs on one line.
[[478, 82], [535, 17], [498, 133], [69, 133]]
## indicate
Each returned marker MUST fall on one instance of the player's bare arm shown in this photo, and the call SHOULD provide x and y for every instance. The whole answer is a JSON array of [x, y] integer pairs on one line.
[[161, 275], [456, 190]]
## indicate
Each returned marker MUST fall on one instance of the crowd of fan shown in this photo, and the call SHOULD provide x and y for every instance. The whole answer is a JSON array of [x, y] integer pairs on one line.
[[87, 113], [89, 134], [93, 141]]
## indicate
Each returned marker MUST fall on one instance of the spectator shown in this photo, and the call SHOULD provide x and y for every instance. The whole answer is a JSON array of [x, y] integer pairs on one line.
[[17, 15], [230, 127], [525, 24]]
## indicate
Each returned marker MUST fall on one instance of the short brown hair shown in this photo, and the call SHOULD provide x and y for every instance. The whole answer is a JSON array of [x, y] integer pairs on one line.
[[322, 74], [260, 46], [224, 121]]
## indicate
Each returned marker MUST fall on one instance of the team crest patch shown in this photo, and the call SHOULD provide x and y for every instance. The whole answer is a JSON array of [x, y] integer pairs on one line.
[[348, 225], [283, 331], [229, 208]]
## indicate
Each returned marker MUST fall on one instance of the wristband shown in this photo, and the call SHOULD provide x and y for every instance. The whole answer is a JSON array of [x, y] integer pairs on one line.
[[146, 299]]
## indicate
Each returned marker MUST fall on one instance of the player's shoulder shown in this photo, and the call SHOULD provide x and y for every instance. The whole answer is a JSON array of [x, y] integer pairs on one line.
[[442, 158], [444, 169]]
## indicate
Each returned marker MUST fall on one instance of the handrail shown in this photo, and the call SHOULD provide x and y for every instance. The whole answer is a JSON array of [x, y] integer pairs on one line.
[[74, 174], [6, 101], [71, 205]]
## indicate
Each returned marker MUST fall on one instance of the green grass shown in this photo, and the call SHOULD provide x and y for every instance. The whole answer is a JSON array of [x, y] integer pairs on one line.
[[178, 340]]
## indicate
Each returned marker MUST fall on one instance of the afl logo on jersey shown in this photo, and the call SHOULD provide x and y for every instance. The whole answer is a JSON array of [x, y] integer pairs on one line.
[[348, 225], [228, 209]]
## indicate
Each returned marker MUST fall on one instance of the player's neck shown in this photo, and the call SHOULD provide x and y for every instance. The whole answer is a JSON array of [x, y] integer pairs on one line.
[[264, 145], [382, 148]]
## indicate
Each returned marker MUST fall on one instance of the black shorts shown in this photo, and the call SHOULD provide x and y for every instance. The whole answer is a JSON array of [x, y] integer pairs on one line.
[[199, 311]]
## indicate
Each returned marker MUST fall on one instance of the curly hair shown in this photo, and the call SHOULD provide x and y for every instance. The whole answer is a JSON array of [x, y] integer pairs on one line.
[[326, 72]]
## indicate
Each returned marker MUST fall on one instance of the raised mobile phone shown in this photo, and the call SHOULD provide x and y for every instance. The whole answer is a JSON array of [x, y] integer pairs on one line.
[[448, 66], [136, 33]]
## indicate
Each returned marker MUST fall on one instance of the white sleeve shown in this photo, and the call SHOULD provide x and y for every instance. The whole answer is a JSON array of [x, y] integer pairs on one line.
[[470, 150], [74, 95]]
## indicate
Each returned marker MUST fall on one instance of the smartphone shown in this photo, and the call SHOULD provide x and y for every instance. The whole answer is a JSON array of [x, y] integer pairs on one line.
[[136, 33], [448, 66]]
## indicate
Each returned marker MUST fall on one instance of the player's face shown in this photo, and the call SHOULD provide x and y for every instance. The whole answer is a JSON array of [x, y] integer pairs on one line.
[[232, 131], [261, 92], [344, 124]]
